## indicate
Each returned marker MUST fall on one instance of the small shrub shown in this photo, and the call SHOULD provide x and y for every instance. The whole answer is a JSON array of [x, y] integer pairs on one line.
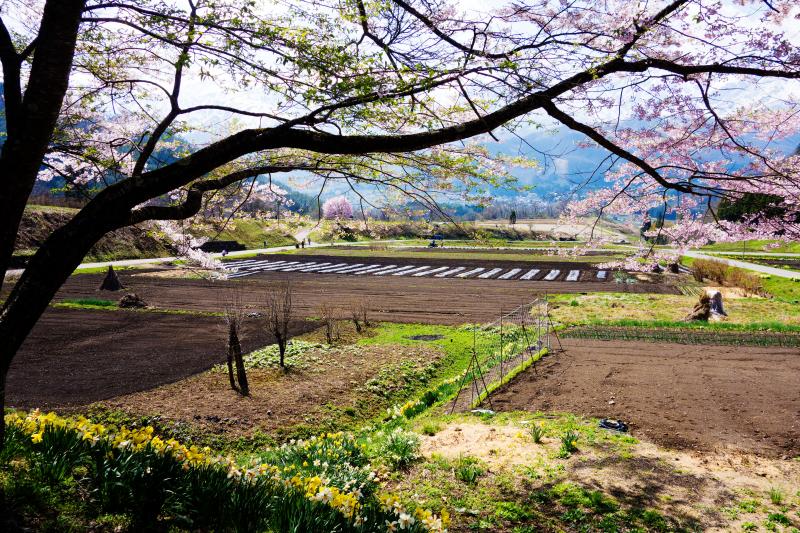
[[749, 526], [709, 269], [399, 448], [537, 432], [574, 303], [330, 323], [359, 315], [748, 282], [468, 470]]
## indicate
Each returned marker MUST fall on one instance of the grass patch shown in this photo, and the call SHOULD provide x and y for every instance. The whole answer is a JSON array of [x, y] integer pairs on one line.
[[754, 246], [88, 302], [250, 232], [654, 309], [783, 289], [446, 253]]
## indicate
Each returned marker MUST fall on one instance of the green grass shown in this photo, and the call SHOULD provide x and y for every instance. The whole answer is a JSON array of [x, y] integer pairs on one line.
[[36, 208], [92, 305], [252, 233], [696, 336], [452, 254], [88, 303], [655, 309], [778, 327], [103, 269], [783, 289], [753, 246]]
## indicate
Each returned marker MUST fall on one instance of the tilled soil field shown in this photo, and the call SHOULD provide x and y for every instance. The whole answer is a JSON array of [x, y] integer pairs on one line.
[[680, 396], [588, 270], [76, 356], [389, 298]]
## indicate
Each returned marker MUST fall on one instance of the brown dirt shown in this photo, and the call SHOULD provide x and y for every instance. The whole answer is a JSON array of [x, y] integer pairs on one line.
[[76, 356], [390, 298], [685, 397], [278, 399], [695, 488]]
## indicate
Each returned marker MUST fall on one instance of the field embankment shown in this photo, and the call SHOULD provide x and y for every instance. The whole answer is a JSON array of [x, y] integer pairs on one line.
[[134, 242]]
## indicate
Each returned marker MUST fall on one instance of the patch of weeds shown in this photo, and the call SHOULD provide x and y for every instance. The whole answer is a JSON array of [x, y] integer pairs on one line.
[[400, 376], [537, 432], [269, 357], [779, 518], [748, 506], [430, 429], [731, 512], [749, 526], [512, 512], [468, 469], [574, 303], [575, 516], [776, 496]]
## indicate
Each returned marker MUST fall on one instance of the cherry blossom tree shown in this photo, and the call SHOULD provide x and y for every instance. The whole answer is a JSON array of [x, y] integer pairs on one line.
[[337, 208], [404, 96]]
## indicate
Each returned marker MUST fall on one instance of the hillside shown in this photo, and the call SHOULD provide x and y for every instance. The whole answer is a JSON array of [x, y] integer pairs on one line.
[[128, 243]]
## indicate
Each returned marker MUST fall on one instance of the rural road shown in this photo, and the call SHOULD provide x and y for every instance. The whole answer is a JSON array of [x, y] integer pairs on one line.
[[772, 271]]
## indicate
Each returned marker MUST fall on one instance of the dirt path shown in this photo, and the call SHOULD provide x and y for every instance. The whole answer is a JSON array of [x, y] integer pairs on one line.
[[74, 357], [687, 397]]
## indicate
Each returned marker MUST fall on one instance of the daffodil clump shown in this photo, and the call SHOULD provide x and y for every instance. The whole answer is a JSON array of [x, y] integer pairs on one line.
[[336, 457], [326, 472]]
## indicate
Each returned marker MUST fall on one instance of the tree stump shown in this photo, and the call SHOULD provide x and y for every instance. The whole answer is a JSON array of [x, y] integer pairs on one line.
[[701, 310], [716, 304], [111, 281]]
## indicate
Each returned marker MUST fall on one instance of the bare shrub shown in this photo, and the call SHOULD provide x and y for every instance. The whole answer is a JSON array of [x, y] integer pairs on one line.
[[709, 269], [748, 282], [278, 313], [359, 315], [723, 274], [328, 314], [234, 314]]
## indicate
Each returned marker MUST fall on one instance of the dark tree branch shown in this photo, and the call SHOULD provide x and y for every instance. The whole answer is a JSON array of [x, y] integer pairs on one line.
[[597, 137]]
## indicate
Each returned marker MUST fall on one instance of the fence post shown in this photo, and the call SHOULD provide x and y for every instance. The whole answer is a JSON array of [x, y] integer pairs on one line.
[[501, 344]]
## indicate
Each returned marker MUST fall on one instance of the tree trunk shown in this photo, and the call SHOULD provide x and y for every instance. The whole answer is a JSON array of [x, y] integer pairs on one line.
[[230, 361], [235, 353], [2, 410], [48, 269], [33, 118], [282, 351]]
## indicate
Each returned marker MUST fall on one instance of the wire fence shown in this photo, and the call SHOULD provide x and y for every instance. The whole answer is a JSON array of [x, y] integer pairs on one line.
[[513, 342]]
